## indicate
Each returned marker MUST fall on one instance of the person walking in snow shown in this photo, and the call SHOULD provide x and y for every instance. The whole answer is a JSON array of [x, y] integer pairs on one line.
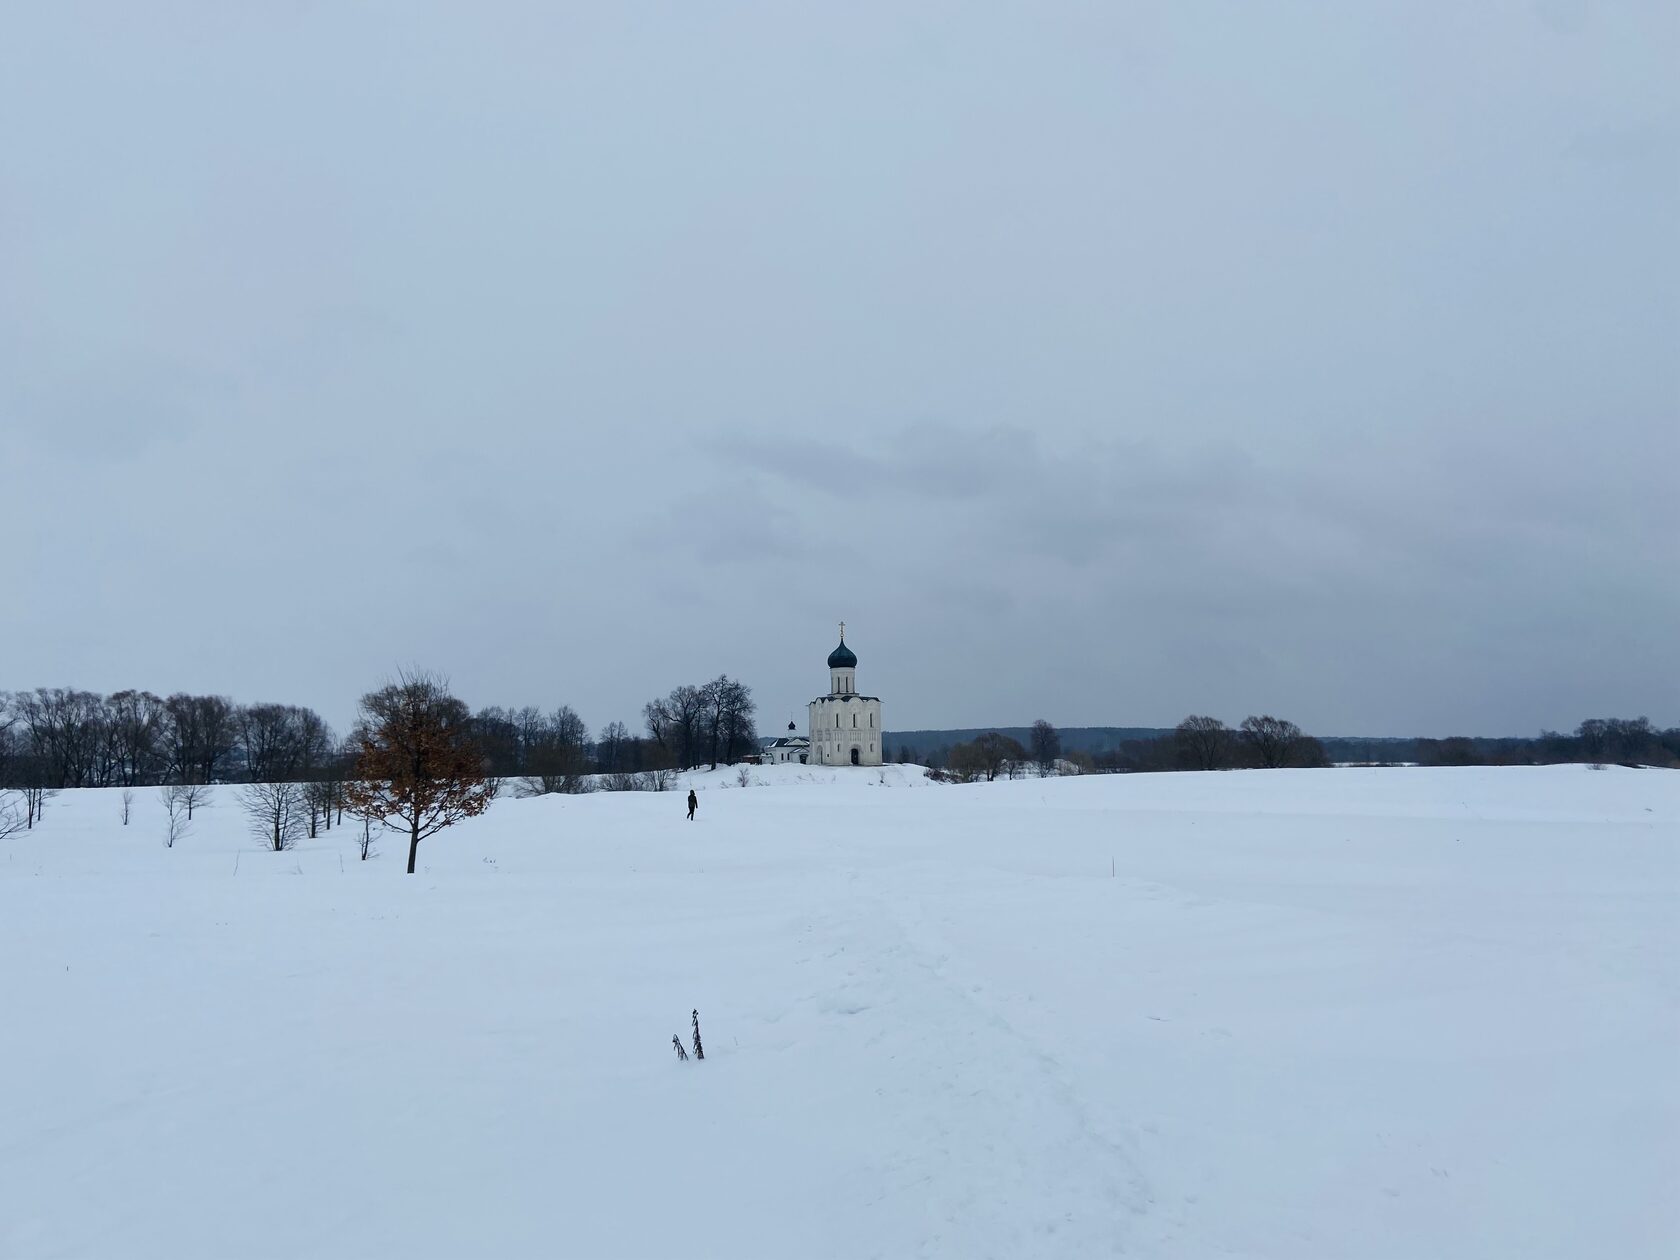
[[693, 804]]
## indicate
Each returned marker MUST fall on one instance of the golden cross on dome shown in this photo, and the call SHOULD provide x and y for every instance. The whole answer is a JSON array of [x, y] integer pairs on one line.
[[842, 632]]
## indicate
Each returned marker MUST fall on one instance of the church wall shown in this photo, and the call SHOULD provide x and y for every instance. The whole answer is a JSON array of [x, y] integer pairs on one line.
[[831, 744]]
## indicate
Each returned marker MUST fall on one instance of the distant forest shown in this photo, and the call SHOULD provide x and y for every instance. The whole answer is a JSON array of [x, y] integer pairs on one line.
[[1204, 743]]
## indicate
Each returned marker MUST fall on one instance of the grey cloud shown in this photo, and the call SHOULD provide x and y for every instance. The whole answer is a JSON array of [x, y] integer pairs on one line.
[[1316, 361]]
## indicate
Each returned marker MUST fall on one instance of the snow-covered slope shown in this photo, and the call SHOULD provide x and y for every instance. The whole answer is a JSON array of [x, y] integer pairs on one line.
[[1348, 1013]]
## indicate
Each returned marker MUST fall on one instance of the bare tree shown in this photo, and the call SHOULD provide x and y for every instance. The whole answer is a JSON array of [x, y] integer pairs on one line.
[[194, 796], [12, 818], [726, 713], [175, 808], [127, 804], [610, 748], [496, 731], [34, 799], [317, 803], [998, 752], [656, 779], [275, 813], [8, 741], [1046, 747], [557, 754], [418, 768], [677, 724], [966, 762], [198, 737], [1204, 743], [134, 728], [364, 842], [1272, 742], [657, 715], [67, 732], [281, 741]]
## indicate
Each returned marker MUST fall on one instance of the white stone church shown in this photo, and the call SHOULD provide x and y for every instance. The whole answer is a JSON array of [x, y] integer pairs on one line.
[[845, 727]]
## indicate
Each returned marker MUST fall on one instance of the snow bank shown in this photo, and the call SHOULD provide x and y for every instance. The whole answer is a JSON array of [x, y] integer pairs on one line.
[[1373, 1013]]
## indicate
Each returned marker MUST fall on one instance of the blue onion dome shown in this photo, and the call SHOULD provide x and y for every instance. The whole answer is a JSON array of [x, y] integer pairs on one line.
[[842, 657]]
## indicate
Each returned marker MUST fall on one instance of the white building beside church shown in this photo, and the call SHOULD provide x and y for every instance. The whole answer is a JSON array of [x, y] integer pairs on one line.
[[790, 749], [845, 727]]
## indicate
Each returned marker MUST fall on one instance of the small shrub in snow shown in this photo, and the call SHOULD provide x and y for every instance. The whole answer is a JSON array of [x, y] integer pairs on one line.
[[699, 1051], [682, 1055], [318, 799], [656, 780], [127, 804], [194, 796], [365, 843], [34, 798], [744, 776], [554, 784], [11, 817], [275, 811], [175, 807]]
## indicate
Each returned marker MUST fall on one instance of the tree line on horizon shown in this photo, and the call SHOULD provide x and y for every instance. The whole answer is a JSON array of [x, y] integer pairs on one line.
[[60, 737], [63, 737], [1201, 742], [1198, 743]]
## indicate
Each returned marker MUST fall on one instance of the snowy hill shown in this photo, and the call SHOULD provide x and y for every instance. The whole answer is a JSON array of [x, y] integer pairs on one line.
[[1350, 1013]]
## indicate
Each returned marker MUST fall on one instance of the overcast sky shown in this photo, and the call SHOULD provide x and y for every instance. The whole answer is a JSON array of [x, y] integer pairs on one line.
[[1101, 362]]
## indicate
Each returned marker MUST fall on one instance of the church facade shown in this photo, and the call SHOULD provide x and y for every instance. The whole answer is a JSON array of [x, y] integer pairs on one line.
[[845, 727]]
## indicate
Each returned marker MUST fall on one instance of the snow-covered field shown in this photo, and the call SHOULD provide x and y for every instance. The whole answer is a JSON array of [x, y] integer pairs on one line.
[[1349, 1013]]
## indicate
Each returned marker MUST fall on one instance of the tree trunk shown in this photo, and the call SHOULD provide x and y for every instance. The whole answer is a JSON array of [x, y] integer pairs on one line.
[[413, 844]]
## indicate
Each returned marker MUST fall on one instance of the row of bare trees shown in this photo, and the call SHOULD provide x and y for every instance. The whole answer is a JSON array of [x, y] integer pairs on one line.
[[544, 752], [61, 737], [711, 723], [414, 765], [1265, 742], [993, 753]]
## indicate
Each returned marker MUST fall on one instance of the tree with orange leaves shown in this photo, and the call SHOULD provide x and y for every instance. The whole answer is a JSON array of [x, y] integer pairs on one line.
[[418, 768]]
